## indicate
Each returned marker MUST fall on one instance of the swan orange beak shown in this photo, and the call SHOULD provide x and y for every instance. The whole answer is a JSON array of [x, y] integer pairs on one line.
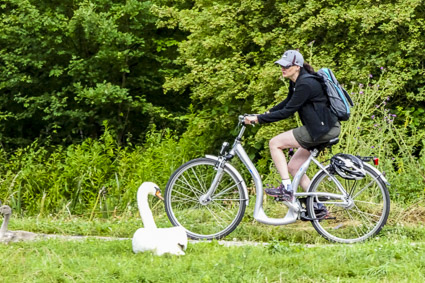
[[158, 194]]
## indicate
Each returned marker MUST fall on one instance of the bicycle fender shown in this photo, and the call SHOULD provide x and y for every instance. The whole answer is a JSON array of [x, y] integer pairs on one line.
[[379, 173], [236, 173]]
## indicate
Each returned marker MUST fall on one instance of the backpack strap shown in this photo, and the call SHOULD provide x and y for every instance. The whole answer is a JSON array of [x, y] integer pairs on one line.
[[319, 78]]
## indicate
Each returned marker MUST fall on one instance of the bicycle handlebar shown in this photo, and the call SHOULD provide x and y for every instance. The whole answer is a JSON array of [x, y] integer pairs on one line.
[[241, 119]]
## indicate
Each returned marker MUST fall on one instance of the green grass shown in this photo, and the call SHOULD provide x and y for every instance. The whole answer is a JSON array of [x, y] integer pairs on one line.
[[295, 252], [94, 260]]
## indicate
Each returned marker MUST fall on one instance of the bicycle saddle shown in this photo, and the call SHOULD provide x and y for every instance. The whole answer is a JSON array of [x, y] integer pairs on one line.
[[322, 146]]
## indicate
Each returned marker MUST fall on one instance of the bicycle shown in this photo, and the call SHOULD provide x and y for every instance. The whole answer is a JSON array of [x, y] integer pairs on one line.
[[208, 197]]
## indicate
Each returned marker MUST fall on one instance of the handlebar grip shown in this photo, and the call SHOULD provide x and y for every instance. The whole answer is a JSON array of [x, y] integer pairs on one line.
[[252, 122], [242, 119]]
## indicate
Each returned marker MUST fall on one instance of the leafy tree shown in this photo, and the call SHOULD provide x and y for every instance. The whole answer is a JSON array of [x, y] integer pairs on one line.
[[68, 66], [232, 45]]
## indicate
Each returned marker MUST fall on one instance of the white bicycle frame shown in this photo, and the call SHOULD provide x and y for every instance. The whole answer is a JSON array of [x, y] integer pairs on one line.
[[295, 208]]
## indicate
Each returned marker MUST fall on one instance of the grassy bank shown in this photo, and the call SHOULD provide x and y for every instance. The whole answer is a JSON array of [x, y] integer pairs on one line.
[[112, 261]]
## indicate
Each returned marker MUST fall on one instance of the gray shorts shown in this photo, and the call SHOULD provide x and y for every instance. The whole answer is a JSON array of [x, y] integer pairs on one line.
[[304, 139]]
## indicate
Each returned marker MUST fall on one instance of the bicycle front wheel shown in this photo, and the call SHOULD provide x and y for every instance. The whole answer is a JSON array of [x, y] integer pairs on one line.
[[364, 217], [212, 219]]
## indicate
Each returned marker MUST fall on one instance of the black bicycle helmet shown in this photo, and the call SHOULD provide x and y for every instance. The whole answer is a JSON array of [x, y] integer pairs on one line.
[[348, 166]]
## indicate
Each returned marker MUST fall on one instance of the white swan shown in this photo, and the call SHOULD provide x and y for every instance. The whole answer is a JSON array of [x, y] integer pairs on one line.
[[150, 238], [12, 236]]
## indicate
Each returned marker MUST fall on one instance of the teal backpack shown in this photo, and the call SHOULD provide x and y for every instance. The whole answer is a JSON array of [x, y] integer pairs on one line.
[[339, 100]]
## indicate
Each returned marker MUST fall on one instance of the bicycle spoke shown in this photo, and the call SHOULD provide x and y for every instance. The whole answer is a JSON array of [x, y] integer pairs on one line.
[[216, 216], [368, 202], [228, 199], [353, 187], [355, 196], [195, 198], [354, 226], [194, 189], [364, 218], [201, 184], [198, 187], [186, 199], [224, 211], [365, 213], [226, 190]]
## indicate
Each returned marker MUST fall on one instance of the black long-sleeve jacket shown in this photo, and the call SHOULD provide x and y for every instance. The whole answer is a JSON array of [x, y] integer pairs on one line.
[[307, 97]]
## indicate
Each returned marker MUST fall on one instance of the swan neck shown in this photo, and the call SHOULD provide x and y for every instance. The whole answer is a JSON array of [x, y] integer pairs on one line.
[[144, 210], [3, 228]]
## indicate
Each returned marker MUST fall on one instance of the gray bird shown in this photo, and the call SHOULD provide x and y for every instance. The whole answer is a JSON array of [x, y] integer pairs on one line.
[[12, 236]]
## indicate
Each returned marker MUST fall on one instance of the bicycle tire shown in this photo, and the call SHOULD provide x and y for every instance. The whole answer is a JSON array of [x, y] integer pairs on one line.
[[184, 208], [358, 222]]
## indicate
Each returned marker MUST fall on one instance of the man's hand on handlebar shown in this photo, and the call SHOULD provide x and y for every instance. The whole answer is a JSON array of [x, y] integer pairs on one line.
[[250, 120]]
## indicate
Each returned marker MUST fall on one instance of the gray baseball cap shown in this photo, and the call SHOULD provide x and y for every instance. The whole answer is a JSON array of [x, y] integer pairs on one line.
[[290, 58]]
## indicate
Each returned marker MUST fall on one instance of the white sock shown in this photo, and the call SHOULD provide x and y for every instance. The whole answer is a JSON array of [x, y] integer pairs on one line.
[[287, 182]]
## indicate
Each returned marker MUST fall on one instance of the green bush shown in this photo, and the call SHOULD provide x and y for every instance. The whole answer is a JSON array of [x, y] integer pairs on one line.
[[67, 66], [96, 176]]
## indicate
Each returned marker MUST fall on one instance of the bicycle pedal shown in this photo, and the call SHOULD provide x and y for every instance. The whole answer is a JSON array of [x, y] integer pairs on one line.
[[325, 218], [279, 199], [304, 217]]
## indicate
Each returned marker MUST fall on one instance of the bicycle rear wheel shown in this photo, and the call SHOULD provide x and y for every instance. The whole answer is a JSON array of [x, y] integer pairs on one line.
[[214, 219], [363, 218]]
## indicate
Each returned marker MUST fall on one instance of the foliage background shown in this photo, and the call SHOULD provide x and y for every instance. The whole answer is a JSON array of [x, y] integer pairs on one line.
[[98, 96]]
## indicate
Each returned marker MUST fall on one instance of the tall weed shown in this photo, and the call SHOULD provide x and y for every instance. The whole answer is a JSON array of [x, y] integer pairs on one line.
[[94, 178], [375, 130]]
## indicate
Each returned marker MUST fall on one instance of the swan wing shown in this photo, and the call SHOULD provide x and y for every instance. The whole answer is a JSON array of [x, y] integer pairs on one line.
[[180, 236], [173, 239], [144, 240], [159, 241]]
